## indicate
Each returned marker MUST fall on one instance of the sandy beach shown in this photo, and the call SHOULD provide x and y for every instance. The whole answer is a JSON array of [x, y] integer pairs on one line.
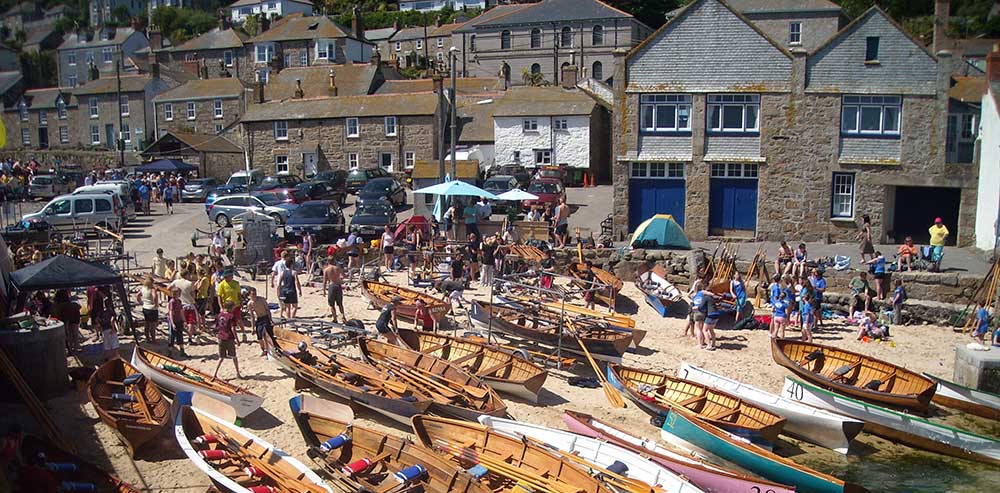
[[743, 354]]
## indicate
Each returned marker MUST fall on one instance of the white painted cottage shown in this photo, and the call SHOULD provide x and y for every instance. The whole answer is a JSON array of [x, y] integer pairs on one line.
[[241, 9], [988, 202]]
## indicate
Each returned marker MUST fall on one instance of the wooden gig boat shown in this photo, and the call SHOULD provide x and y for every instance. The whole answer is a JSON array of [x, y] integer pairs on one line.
[[609, 283], [972, 401], [508, 464], [234, 459], [504, 371], [819, 426], [854, 374], [659, 293], [604, 344], [702, 473], [173, 376], [657, 393], [128, 402], [454, 391], [580, 316], [685, 429], [335, 443], [598, 455], [349, 379], [380, 294], [616, 319], [72, 472]]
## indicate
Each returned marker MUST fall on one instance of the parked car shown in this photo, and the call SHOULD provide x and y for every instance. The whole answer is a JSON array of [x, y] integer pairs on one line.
[[222, 191], [122, 205], [321, 217], [286, 195], [383, 188], [557, 172], [199, 189], [337, 178], [224, 209], [47, 186], [371, 217], [548, 190], [522, 175], [124, 190], [244, 178], [278, 181], [358, 178], [79, 212], [498, 184], [322, 190]]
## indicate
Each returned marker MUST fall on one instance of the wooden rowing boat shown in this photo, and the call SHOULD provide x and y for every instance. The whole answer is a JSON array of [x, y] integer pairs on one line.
[[597, 452], [819, 426], [658, 291], [173, 376], [355, 381], [604, 344], [511, 465], [236, 460], [128, 402], [580, 316], [972, 401], [380, 294], [854, 374], [609, 283], [616, 319], [684, 429], [69, 468], [899, 426], [657, 393], [319, 421], [699, 471], [505, 371], [454, 391]]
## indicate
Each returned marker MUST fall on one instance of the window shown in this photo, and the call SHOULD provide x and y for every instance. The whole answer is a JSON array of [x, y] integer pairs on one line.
[[126, 132], [734, 170], [71, 80], [871, 49], [262, 75], [352, 160], [64, 135], [536, 38], [22, 109], [665, 112], [409, 159], [84, 206], [960, 143], [440, 42], [536, 69], [352, 127], [733, 113], [561, 124], [399, 45], [107, 55], [218, 108], [245, 11], [272, 5], [280, 130], [227, 58], [440, 56], [842, 200], [43, 118], [795, 33], [90, 57], [303, 58], [123, 105], [218, 128], [870, 115], [390, 126], [419, 44], [281, 164], [543, 156], [322, 50], [71, 58], [103, 205], [597, 36], [190, 110], [92, 104], [658, 170], [385, 160], [168, 112], [472, 43], [61, 109], [505, 40], [286, 61], [566, 37], [597, 71], [95, 135], [530, 124], [264, 52], [25, 136]]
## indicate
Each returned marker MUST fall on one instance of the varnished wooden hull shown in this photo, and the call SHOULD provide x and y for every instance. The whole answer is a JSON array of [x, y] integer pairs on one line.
[[131, 425], [713, 406], [85, 472], [972, 401], [903, 388], [581, 316], [379, 294], [319, 420], [505, 372], [612, 282]]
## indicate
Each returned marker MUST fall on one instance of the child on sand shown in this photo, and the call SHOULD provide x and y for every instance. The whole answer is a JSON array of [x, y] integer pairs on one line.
[[806, 312], [175, 322], [225, 325], [779, 319], [982, 323]]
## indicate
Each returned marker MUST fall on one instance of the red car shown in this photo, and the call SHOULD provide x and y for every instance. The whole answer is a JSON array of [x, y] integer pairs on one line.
[[548, 190]]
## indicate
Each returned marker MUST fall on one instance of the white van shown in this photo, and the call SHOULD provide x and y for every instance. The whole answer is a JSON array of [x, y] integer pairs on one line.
[[244, 178], [119, 188], [79, 212]]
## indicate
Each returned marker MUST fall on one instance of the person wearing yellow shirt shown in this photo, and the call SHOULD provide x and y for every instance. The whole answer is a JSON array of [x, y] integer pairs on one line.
[[939, 234], [228, 291]]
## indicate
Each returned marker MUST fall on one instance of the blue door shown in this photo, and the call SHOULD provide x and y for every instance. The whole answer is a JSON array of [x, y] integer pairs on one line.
[[733, 204], [655, 196]]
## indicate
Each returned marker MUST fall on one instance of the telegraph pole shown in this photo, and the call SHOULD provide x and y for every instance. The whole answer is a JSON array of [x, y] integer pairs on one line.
[[121, 139], [454, 109]]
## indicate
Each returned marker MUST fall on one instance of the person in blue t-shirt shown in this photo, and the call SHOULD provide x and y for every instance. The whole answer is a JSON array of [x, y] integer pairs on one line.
[[144, 197], [808, 315], [819, 286], [738, 290], [878, 272], [779, 317], [982, 323]]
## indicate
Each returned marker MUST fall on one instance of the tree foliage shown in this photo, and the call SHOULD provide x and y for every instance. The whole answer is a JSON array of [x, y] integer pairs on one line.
[[180, 24], [251, 26], [38, 68]]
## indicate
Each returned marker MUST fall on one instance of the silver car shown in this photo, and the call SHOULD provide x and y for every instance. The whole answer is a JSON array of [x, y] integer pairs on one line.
[[68, 213], [224, 209], [198, 189], [47, 186]]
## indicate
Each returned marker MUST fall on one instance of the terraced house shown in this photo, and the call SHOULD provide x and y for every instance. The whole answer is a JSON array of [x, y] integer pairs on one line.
[[218, 52], [304, 41], [204, 106], [82, 50], [42, 119], [712, 113], [100, 108]]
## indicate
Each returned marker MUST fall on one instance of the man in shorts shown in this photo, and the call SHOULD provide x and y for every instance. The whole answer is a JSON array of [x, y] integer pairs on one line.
[[260, 317], [333, 284], [982, 323], [228, 292], [386, 324], [225, 325]]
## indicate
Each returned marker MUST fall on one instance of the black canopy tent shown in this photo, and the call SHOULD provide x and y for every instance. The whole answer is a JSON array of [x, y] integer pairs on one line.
[[167, 166], [63, 272]]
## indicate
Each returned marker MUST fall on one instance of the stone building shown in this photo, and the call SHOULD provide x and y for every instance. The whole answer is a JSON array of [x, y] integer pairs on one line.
[[348, 79], [380, 38], [103, 11], [217, 53], [82, 50], [241, 9], [215, 155], [304, 41], [204, 106], [15, 17], [99, 109], [855, 128], [302, 136], [413, 46], [540, 38], [794, 23], [42, 119]]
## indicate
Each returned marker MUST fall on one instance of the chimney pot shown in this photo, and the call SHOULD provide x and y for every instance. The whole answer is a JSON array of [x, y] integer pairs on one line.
[[356, 28], [332, 90], [259, 91], [299, 93]]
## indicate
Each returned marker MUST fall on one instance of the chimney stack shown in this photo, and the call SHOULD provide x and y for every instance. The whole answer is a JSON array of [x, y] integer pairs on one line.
[[265, 22], [299, 93], [396, 25], [332, 90], [356, 29], [993, 64], [154, 70], [155, 38], [942, 17], [376, 57], [259, 91], [568, 77]]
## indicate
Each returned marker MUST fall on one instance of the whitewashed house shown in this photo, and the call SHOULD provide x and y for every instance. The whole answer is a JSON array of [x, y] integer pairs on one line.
[[241, 9], [988, 202], [431, 5]]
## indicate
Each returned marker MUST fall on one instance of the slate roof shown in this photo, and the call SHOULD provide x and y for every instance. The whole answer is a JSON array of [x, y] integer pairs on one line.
[[557, 11], [39, 99], [490, 15], [408, 33], [464, 85], [475, 118], [215, 39], [120, 35], [38, 35], [299, 28], [768, 6], [132, 83], [446, 29], [203, 89], [22, 8], [343, 106], [544, 101], [968, 89], [380, 34], [351, 80], [8, 79]]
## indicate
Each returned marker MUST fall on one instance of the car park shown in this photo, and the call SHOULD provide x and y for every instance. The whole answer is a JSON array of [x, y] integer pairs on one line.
[[322, 190], [222, 191], [225, 209], [47, 186], [358, 178], [322, 218], [386, 188], [278, 181], [548, 190], [79, 213], [371, 217], [199, 189], [251, 178]]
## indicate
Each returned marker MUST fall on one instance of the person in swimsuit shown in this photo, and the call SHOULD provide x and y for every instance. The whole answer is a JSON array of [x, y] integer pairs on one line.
[[333, 284], [260, 317]]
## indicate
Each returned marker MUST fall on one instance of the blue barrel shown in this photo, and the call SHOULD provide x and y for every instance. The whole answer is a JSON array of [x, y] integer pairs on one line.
[[335, 443], [123, 397], [61, 467], [477, 471], [77, 487], [411, 473]]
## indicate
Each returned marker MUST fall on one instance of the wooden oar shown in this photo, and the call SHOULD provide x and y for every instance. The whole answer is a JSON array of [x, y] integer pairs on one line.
[[614, 398], [476, 392], [502, 468], [241, 451]]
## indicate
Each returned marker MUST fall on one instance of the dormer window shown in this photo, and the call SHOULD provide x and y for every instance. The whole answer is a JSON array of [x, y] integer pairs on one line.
[[61, 108], [871, 49], [22, 108]]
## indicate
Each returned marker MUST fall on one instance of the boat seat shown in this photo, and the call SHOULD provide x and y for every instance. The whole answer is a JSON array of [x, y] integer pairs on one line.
[[493, 369], [693, 400], [842, 372], [723, 415], [467, 357], [436, 347]]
